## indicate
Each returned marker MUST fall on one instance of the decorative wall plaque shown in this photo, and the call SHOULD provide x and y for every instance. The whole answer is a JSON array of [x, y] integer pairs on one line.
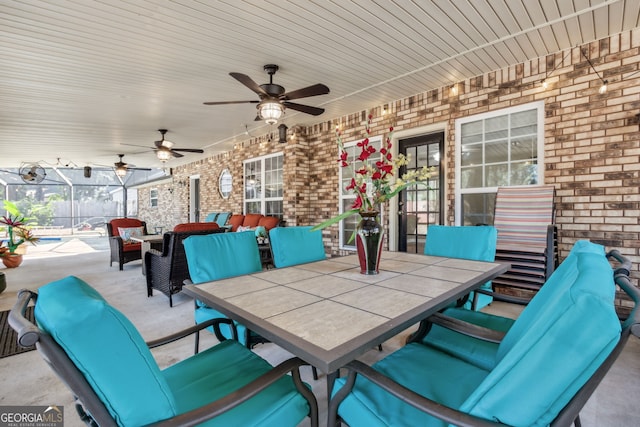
[[225, 183]]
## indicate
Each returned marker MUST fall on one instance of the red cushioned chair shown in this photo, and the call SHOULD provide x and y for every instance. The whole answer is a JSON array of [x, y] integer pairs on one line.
[[269, 222], [123, 251]]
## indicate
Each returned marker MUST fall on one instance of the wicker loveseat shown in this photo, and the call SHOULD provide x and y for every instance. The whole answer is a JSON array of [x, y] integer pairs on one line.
[[166, 271]]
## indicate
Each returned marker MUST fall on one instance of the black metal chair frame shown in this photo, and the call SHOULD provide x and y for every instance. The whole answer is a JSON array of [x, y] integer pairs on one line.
[[568, 415], [91, 409]]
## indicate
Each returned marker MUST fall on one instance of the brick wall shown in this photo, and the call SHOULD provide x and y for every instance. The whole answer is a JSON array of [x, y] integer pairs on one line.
[[592, 147]]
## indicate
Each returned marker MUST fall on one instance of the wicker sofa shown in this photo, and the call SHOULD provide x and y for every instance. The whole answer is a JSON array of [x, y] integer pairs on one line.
[[253, 220], [166, 271]]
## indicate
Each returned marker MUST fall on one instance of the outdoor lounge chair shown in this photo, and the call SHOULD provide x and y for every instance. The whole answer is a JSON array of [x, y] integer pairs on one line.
[[527, 239], [543, 371], [109, 368], [215, 257], [124, 250]]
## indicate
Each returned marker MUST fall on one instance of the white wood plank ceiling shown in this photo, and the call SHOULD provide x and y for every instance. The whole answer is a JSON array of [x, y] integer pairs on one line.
[[84, 80]]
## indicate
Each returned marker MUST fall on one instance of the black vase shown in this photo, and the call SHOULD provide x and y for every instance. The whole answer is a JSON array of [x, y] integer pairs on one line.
[[369, 239]]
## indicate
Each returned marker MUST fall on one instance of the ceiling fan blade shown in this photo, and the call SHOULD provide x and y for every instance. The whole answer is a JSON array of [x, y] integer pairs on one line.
[[174, 153], [248, 82], [314, 90], [230, 102], [188, 150], [314, 111]]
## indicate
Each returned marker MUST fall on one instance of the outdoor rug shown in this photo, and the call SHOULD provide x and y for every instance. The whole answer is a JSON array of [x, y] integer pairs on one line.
[[9, 338]]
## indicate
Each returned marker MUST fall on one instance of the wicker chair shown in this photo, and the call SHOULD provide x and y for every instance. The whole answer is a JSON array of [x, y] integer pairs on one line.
[[123, 252], [167, 270]]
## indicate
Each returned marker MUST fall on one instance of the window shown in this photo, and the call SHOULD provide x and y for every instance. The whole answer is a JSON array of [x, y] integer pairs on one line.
[[497, 149], [263, 185], [153, 197], [347, 198]]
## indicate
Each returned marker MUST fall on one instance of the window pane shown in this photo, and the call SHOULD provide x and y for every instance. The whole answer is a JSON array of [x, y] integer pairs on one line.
[[471, 155], [524, 173], [497, 151], [525, 147], [478, 208], [497, 175], [471, 177]]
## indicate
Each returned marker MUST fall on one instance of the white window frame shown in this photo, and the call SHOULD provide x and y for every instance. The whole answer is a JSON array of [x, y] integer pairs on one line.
[[349, 195], [539, 106], [262, 199], [153, 197]]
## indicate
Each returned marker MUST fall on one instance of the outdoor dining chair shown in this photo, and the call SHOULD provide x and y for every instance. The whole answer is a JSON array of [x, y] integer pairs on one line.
[[476, 243], [543, 370], [103, 359], [527, 239], [218, 256], [295, 245]]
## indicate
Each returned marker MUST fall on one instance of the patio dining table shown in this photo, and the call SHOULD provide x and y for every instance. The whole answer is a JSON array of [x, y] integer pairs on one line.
[[328, 314]]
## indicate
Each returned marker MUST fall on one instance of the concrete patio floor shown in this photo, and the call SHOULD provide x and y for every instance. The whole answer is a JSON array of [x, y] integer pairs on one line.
[[26, 380]]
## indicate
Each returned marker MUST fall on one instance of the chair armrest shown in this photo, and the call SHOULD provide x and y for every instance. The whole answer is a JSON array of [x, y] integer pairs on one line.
[[466, 328], [230, 401], [505, 298], [422, 403], [186, 332]]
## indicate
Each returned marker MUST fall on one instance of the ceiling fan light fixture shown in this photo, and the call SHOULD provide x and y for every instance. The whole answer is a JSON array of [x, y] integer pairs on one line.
[[163, 153], [121, 171], [270, 111]]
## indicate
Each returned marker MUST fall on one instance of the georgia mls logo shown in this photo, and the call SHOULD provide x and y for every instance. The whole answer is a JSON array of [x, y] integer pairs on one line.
[[31, 416]]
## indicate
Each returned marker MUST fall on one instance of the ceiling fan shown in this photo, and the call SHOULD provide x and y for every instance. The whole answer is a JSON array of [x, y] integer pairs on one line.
[[165, 150], [121, 167], [32, 173], [273, 98]]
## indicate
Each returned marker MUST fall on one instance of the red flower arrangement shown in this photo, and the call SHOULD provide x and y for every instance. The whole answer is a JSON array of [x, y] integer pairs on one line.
[[375, 182]]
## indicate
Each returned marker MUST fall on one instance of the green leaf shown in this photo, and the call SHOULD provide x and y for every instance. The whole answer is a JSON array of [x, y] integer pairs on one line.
[[335, 219]]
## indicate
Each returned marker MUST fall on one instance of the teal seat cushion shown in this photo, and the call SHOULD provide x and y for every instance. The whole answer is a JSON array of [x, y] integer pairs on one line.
[[476, 243], [211, 217], [423, 369], [554, 291], [221, 255], [107, 349], [476, 351], [296, 245], [222, 369]]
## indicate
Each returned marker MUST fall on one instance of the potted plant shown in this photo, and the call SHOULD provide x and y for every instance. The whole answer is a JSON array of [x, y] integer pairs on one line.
[[14, 223]]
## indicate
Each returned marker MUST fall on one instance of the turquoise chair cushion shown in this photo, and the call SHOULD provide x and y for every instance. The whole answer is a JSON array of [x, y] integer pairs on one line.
[[222, 369], [221, 255], [476, 243], [107, 349], [211, 217], [231, 254], [540, 365], [423, 369], [222, 218], [555, 290], [296, 245]]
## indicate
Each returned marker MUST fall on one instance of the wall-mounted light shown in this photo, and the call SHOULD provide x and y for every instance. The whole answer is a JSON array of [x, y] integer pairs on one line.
[[270, 111], [453, 90], [603, 86], [282, 133], [545, 82]]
